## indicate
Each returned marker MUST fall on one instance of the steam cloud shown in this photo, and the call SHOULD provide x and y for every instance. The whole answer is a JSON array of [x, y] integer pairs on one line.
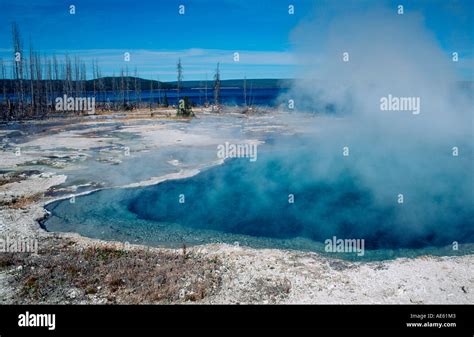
[[391, 152]]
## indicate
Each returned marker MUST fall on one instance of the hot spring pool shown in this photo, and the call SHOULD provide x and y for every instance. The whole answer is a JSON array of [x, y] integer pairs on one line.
[[248, 202]]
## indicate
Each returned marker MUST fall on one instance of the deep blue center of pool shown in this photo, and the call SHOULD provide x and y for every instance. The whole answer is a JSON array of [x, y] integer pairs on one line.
[[252, 199]]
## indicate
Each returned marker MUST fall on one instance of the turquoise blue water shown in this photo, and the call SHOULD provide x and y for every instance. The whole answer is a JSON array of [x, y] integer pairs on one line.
[[248, 202]]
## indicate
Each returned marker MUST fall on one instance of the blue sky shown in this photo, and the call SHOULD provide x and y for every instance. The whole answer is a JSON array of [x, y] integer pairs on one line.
[[210, 31]]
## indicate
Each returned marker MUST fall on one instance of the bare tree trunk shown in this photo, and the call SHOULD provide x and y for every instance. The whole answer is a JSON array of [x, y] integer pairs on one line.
[[49, 87], [138, 89], [151, 94], [68, 89], [32, 84], [102, 88], [114, 90], [245, 91], [217, 87], [206, 102], [77, 85], [83, 76], [127, 85], [200, 93], [159, 91], [40, 102], [56, 87], [94, 77], [180, 77], [122, 88], [251, 95], [97, 81], [18, 72], [4, 106]]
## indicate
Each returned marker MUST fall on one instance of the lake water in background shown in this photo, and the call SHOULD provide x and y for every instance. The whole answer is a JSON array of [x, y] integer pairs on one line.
[[229, 96]]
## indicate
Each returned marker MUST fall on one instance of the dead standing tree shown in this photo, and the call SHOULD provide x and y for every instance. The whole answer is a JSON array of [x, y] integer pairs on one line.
[[127, 87], [94, 79], [49, 86], [179, 68], [159, 91], [122, 88], [245, 91], [137, 88], [40, 110], [83, 76], [56, 87], [5, 106], [101, 84], [151, 94], [217, 89], [33, 96], [98, 83], [206, 103], [18, 66], [67, 77], [77, 83], [115, 92]]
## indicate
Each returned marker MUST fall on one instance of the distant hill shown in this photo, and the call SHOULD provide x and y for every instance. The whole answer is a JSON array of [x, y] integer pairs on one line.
[[145, 84]]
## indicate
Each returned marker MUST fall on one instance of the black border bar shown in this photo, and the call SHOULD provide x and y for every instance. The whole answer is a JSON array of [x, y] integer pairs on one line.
[[125, 319]]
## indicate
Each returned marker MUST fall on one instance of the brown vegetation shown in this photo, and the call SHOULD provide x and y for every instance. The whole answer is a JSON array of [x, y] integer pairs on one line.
[[67, 273]]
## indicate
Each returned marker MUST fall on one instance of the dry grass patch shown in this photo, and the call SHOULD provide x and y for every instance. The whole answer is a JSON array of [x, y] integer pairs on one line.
[[65, 273], [14, 177], [24, 201]]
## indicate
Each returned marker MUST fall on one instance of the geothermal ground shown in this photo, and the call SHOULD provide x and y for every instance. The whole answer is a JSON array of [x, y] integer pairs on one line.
[[45, 160]]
